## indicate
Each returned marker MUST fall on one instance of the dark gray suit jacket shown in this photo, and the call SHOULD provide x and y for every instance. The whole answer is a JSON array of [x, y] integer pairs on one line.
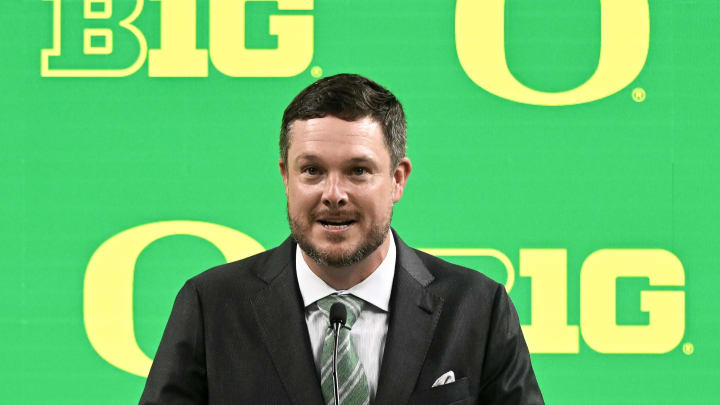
[[237, 335]]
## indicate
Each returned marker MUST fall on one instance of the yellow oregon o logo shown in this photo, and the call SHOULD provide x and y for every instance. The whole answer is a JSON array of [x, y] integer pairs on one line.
[[108, 298], [480, 42]]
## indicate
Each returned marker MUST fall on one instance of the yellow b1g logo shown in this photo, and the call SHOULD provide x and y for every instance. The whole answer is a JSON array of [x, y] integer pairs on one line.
[[112, 24]]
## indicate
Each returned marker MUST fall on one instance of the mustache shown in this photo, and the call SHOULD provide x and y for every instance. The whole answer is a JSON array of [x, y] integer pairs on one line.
[[334, 214]]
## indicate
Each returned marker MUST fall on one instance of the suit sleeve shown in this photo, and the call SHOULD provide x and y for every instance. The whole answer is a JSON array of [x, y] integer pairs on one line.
[[178, 373], [508, 377]]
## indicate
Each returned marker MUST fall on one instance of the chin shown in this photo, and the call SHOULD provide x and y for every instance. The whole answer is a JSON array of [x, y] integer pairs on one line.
[[336, 256], [337, 253], [338, 249]]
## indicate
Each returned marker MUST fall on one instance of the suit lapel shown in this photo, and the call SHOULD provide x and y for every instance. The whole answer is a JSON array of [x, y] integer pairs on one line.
[[280, 315], [414, 314]]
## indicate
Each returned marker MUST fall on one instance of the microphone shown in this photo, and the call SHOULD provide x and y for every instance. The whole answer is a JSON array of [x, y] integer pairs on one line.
[[338, 317]]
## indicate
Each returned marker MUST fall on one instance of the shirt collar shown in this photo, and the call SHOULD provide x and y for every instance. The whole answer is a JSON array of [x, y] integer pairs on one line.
[[375, 289]]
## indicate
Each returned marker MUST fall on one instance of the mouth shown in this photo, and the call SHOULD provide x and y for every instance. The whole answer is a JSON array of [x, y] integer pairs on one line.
[[336, 224]]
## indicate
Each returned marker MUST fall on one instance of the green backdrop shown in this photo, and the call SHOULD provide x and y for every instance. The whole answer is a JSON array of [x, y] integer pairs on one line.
[[86, 158]]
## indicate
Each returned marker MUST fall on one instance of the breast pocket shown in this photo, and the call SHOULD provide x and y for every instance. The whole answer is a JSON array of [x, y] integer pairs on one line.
[[455, 393]]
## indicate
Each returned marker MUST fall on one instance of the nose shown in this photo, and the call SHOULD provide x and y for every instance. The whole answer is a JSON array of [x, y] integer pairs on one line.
[[334, 194]]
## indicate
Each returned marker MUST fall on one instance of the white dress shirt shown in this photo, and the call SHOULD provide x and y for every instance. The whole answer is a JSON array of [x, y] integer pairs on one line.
[[370, 329]]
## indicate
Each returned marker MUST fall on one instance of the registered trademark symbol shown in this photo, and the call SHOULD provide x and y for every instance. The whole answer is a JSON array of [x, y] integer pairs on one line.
[[688, 348], [316, 71], [638, 94]]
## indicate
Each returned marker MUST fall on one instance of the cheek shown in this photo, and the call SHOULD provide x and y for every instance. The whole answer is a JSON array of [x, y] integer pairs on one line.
[[301, 197], [380, 205]]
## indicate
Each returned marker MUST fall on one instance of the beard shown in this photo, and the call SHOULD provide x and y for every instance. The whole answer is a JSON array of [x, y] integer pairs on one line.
[[300, 231]]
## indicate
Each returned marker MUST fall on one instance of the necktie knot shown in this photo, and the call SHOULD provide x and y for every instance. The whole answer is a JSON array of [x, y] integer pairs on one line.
[[353, 305]]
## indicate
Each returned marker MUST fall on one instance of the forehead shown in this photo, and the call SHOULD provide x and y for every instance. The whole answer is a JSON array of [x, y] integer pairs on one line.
[[333, 137]]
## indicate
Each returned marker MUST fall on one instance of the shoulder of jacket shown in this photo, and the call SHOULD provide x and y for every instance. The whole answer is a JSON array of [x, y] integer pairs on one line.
[[453, 277], [240, 272]]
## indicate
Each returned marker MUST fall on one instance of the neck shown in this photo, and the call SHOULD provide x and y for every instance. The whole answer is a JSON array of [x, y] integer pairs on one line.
[[344, 278]]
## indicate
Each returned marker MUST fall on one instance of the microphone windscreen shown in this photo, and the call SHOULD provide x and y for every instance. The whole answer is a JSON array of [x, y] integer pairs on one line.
[[338, 313]]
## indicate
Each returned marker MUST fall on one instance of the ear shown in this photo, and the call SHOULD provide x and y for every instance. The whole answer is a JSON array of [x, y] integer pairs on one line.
[[400, 177], [284, 174]]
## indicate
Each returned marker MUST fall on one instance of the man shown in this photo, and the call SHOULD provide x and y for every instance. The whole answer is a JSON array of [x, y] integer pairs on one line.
[[419, 330]]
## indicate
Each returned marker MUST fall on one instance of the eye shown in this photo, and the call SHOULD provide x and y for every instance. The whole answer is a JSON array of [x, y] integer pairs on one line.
[[359, 171], [311, 170]]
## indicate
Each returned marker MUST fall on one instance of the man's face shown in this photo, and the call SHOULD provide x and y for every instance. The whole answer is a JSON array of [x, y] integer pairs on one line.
[[340, 188]]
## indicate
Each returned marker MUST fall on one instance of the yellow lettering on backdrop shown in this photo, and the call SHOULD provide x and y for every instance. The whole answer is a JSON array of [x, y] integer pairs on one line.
[[104, 13], [227, 40], [178, 55], [598, 301], [549, 331], [480, 42], [88, 48], [105, 34], [108, 297]]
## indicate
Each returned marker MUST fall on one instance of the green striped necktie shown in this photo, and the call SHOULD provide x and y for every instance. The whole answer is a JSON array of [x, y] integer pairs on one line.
[[353, 386]]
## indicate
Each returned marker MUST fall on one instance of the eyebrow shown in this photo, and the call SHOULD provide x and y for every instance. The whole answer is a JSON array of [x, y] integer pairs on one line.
[[362, 160], [309, 157], [312, 158]]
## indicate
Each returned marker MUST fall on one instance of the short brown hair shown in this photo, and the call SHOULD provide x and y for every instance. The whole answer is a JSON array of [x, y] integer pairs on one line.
[[349, 97]]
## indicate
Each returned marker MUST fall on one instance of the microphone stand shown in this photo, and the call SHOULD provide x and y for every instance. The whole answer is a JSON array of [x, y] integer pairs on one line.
[[336, 389], [338, 317]]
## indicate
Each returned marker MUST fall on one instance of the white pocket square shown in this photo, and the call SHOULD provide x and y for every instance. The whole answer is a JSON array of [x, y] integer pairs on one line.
[[446, 378]]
